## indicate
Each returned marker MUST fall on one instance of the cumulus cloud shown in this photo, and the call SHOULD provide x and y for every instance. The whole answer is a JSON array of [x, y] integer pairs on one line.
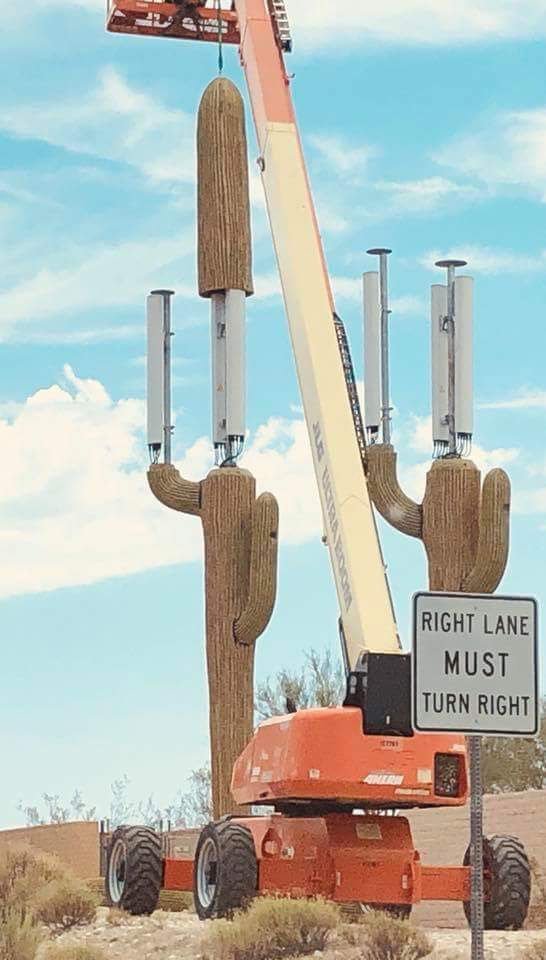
[[419, 439], [74, 499]]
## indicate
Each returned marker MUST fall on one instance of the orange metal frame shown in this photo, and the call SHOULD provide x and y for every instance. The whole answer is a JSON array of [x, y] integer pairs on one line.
[[368, 859], [155, 18]]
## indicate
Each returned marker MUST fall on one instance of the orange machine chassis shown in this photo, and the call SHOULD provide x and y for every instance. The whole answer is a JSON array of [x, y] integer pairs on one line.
[[369, 859]]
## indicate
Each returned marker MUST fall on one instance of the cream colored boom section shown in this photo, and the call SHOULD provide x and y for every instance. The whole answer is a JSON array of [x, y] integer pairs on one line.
[[360, 577]]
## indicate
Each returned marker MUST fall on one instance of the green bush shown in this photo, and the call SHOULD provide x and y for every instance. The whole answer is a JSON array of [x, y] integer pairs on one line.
[[57, 951], [272, 929], [19, 934], [65, 903], [387, 938]]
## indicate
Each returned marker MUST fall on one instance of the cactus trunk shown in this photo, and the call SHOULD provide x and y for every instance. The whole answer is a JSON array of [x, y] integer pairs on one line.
[[241, 539]]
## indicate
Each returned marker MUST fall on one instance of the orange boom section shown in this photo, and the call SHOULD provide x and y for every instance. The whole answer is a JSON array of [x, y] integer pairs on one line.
[[324, 755]]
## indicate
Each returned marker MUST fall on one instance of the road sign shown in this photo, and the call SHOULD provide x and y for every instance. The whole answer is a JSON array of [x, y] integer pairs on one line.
[[475, 664]]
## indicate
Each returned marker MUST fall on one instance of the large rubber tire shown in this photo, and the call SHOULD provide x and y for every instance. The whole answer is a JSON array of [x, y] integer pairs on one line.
[[134, 870], [225, 875], [507, 864], [353, 912]]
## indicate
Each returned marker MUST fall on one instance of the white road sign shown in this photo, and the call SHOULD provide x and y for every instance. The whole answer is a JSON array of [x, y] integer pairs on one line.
[[475, 664]]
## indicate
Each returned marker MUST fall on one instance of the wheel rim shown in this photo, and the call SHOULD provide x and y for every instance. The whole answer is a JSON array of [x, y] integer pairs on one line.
[[207, 868], [117, 871]]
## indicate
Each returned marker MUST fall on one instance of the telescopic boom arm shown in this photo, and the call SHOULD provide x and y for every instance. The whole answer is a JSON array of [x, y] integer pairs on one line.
[[260, 28], [366, 608]]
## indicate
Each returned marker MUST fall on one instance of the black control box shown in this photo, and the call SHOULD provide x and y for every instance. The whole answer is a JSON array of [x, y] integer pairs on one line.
[[380, 685]]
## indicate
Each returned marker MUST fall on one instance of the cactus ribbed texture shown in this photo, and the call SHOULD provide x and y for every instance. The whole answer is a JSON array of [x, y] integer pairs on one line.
[[172, 490], [241, 536], [224, 244], [494, 537], [391, 501], [465, 532], [240, 532], [262, 590]]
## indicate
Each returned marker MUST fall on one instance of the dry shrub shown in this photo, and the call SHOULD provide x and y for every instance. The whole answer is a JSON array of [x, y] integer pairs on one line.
[[98, 888], [19, 935], [387, 938], [176, 901], [535, 951], [271, 929], [57, 951], [116, 917], [23, 871], [65, 903]]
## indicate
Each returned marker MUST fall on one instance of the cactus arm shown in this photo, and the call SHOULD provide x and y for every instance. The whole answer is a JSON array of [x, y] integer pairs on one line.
[[494, 537], [263, 572], [173, 490], [387, 495]]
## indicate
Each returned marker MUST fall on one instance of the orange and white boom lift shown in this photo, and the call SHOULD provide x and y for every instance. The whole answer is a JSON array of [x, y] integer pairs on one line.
[[314, 768]]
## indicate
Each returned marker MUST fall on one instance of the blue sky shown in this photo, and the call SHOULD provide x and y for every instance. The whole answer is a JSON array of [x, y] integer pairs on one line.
[[425, 130]]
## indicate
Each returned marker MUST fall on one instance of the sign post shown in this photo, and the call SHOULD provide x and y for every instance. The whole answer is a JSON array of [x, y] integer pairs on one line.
[[476, 848], [475, 671]]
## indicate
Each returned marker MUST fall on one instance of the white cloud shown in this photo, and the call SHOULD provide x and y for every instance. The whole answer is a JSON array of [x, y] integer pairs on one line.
[[487, 259], [75, 504], [350, 288], [414, 22], [115, 276], [509, 149], [74, 499], [114, 122], [319, 25], [525, 400], [424, 196], [419, 439], [339, 156], [279, 456]]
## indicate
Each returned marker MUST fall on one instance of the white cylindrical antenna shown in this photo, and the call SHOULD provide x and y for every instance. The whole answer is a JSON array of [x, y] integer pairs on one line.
[[372, 355], [165, 297], [218, 354], [158, 322], [235, 367], [464, 386], [449, 325], [228, 374], [439, 368], [383, 253]]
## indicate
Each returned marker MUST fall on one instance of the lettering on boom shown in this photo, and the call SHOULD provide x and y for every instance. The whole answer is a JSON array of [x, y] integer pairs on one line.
[[333, 522]]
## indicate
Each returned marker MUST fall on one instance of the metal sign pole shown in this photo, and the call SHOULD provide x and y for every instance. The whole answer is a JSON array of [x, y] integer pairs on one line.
[[476, 848]]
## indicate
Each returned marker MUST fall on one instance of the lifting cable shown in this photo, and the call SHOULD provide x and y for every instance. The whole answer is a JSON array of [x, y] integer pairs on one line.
[[220, 38]]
